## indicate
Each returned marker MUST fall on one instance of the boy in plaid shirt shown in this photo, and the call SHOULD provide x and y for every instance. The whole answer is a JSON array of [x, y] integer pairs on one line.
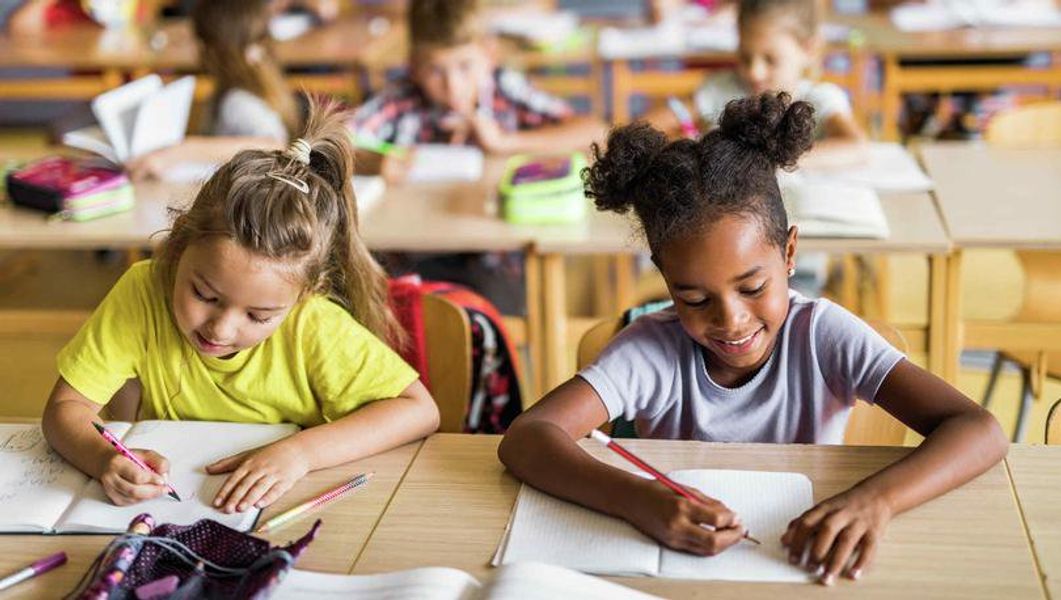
[[456, 94]]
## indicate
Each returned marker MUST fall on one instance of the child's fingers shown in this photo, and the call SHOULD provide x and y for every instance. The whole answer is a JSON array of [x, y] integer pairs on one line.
[[255, 492], [842, 548], [274, 493], [824, 537], [867, 549], [708, 542], [156, 461], [128, 471], [240, 490], [134, 492], [226, 464], [228, 486], [800, 532], [711, 512]]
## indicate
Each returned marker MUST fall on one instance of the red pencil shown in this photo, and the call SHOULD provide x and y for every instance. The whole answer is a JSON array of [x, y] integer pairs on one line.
[[644, 466]]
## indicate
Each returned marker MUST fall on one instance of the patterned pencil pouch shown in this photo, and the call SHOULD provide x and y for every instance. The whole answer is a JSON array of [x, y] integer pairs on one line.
[[202, 560]]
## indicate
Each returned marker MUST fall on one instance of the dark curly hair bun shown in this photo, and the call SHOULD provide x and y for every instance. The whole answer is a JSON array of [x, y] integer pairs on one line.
[[612, 181], [771, 125]]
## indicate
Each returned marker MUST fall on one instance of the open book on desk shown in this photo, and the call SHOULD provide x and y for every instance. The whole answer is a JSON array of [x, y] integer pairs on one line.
[[553, 531], [137, 118], [523, 581], [831, 210], [42, 493], [889, 168]]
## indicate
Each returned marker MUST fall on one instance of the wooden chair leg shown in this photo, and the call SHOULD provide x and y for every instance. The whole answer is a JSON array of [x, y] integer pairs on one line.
[[996, 368]]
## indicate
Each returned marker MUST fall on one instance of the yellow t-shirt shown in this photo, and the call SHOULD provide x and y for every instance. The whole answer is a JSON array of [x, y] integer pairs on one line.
[[319, 365]]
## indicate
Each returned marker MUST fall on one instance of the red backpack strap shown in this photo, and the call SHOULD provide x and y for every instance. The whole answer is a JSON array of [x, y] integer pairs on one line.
[[407, 302]]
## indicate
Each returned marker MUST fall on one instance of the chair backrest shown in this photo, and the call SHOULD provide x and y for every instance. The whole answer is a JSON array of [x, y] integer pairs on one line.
[[867, 425], [1037, 124], [1053, 425], [447, 336]]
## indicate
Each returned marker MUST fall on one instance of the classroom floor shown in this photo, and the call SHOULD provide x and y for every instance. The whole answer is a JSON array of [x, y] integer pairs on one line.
[[79, 280]]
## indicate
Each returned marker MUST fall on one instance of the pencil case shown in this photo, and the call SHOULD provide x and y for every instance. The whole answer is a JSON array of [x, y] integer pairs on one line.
[[543, 189], [70, 188]]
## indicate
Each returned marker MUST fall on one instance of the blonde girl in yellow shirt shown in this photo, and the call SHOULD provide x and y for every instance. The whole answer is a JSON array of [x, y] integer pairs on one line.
[[262, 305]]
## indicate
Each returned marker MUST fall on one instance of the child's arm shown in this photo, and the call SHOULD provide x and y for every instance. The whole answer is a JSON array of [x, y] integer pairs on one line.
[[540, 449], [844, 144], [196, 149], [67, 425], [962, 440], [576, 133], [261, 476]]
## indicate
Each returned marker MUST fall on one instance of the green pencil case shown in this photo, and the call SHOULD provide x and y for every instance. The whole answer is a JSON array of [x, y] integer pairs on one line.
[[543, 189]]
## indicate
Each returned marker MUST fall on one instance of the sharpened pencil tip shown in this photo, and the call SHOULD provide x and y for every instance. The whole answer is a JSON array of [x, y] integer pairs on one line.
[[749, 537], [173, 494]]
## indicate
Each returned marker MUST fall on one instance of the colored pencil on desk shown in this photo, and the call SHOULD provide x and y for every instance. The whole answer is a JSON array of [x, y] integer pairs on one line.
[[677, 488], [37, 568], [309, 505], [120, 447]]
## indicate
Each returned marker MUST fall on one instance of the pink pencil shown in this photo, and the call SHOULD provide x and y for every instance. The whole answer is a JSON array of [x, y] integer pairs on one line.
[[120, 447], [647, 468]]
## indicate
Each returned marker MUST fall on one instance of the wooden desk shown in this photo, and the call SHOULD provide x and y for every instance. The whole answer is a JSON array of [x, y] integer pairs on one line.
[[895, 47], [1036, 475], [994, 198], [118, 54], [347, 526], [455, 501]]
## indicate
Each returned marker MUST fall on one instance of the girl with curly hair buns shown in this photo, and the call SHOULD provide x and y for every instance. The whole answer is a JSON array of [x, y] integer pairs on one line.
[[739, 357]]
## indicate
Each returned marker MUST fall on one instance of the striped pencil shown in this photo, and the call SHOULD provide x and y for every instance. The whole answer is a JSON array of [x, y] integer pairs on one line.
[[325, 498]]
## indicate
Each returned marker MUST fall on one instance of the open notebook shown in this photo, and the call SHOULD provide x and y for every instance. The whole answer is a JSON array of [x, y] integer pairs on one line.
[[137, 118], [42, 493], [834, 210], [524, 581], [550, 530]]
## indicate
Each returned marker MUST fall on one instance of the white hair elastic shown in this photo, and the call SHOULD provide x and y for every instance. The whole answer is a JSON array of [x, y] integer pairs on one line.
[[299, 149]]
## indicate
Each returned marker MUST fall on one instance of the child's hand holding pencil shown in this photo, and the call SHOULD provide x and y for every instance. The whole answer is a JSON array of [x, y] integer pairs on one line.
[[681, 517]]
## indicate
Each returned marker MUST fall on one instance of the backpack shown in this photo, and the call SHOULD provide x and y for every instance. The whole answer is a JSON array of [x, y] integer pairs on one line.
[[495, 399]]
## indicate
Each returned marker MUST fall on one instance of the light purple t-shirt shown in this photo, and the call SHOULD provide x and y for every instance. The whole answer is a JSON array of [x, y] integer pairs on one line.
[[824, 358]]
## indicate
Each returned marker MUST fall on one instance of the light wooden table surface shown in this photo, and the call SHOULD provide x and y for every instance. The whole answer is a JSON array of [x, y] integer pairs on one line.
[[455, 501], [346, 527], [993, 197], [1036, 474]]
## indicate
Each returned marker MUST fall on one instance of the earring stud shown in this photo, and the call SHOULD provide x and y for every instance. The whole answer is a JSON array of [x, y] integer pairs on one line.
[[791, 271]]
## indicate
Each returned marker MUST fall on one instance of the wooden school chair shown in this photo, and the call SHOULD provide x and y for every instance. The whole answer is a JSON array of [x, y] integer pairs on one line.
[[1053, 425], [448, 338], [1034, 125], [868, 425]]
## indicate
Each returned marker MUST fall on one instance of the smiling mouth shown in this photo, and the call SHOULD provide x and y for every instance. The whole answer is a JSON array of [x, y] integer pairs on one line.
[[206, 344], [737, 346]]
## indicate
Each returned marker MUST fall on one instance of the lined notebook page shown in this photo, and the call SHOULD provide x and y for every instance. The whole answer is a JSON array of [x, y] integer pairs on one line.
[[766, 502], [424, 584], [36, 484], [189, 446], [549, 530], [537, 581]]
